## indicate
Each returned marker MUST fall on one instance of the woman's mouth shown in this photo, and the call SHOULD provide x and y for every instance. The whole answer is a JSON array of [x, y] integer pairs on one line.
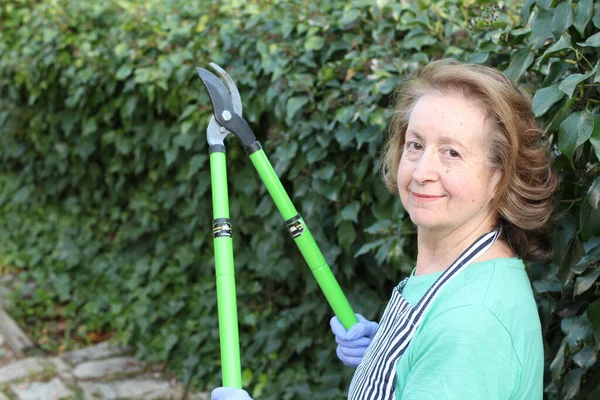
[[424, 198]]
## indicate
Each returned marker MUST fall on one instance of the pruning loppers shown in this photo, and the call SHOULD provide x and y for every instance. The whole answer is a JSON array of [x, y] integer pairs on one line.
[[226, 119]]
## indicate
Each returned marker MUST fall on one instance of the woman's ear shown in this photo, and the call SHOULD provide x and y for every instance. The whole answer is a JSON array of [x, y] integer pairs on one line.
[[495, 180]]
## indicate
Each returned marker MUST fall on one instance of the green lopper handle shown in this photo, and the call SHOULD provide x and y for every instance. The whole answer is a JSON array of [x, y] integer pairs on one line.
[[304, 240], [226, 296]]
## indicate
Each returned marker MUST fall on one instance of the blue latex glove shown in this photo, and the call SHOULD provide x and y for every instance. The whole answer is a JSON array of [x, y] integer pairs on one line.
[[353, 343], [225, 393]]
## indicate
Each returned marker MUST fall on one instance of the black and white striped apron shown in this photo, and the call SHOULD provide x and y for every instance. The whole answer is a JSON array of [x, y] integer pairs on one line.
[[375, 377]]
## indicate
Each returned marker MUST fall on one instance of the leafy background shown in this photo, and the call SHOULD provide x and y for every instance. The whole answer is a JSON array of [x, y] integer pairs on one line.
[[105, 209]]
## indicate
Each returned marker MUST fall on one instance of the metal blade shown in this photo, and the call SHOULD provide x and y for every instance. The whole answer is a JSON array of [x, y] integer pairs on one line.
[[220, 96], [235, 94]]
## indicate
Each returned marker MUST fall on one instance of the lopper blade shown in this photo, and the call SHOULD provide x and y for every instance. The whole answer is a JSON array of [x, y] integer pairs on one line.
[[235, 94], [220, 96]]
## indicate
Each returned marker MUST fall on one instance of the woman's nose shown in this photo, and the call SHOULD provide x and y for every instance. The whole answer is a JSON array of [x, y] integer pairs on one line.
[[427, 167]]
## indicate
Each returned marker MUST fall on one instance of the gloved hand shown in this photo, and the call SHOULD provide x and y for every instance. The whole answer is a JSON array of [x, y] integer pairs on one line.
[[225, 393], [353, 343]]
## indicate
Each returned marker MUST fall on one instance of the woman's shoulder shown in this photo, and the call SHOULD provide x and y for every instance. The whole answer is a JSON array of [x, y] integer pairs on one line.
[[499, 288], [497, 274], [496, 284]]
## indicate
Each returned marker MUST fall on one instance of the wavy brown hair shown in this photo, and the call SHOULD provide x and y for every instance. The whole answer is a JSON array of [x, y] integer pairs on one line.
[[524, 197]]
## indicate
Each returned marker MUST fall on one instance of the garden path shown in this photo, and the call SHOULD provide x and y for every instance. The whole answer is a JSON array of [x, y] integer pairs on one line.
[[101, 371]]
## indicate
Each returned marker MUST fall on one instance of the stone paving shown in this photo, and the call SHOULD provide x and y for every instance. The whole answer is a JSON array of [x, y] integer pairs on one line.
[[92, 373], [102, 371]]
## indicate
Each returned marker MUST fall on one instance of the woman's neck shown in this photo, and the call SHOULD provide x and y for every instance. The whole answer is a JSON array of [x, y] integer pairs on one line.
[[437, 249]]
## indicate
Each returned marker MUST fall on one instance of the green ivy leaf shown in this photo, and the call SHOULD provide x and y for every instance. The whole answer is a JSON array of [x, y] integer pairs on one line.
[[287, 150], [129, 106], [185, 140], [488, 46], [526, 9], [314, 43], [302, 343], [478, 58], [22, 195], [589, 221], [573, 254], [569, 84], [519, 32], [520, 60], [577, 329], [345, 114], [596, 19], [595, 138], [542, 28], [350, 212], [593, 314], [381, 227], [123, 72], [383, 253], [563, 17], [294, 104], [586, 358], [544, 3], [561, 112], [593, 194], [557, 69], [573, 132], [378, 117], [346, 234], [591, 244], [349, 17], [572, 383], [186, 126], [325, 173], [171, 155], [591, 257], [196, 162], [367, 247], [121, 50], [90, 127], [583, 283], [315, 154], [583, 15], [367, 135], [343, 135], [417, 42], [547, 285], [563, 43], [558, 364], [563, 236], [544, 99], [170, 342], [592, 41]]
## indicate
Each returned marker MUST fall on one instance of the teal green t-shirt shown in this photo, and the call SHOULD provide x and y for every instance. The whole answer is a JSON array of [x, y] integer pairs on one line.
[[479, 339]]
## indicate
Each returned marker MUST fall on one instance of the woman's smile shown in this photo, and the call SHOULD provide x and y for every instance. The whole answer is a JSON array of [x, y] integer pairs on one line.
[[424, 198]]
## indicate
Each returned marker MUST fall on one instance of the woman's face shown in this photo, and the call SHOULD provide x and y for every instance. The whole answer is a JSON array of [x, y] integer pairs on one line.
[[445, 179]]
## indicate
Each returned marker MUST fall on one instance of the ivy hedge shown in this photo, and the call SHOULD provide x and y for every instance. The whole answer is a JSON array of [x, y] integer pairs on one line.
[[105, 189]]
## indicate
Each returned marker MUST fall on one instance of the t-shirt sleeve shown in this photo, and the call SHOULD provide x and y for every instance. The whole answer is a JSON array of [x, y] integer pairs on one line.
[[464, 353]]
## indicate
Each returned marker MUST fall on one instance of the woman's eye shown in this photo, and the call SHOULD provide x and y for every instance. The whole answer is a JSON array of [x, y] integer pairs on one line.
[[414, 146], [452, 153]]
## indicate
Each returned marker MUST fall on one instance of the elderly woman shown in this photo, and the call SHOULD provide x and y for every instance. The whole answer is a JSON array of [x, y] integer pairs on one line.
[[473, 173]]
